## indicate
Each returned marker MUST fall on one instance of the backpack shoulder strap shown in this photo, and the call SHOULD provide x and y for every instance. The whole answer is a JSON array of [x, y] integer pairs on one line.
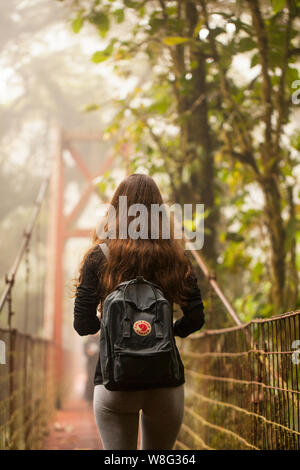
[[105, 249]]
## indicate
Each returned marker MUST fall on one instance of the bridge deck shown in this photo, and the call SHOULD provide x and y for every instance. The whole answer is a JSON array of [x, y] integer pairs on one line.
[[73, 428]]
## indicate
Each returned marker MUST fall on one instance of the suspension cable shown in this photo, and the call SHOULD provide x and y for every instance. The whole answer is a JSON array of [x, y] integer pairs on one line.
[[10, 278]]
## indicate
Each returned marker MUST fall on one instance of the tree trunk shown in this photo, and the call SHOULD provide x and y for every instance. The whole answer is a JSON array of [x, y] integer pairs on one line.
[[196, 135], [274, 223]]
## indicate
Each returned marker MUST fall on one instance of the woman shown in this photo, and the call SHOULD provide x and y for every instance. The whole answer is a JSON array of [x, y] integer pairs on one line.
[[159, 260]]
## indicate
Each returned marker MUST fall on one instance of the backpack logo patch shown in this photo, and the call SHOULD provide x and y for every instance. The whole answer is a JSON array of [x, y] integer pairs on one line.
[[142, 327]]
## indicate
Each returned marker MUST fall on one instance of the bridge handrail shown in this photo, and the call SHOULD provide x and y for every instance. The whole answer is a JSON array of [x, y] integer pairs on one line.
[[211, 279], [220, 331]]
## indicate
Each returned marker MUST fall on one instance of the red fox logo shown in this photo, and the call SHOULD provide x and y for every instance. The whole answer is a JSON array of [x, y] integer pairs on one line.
[[142, 327]]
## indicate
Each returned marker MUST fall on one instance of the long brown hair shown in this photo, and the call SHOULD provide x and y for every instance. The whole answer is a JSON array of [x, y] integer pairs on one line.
[[160, 260]]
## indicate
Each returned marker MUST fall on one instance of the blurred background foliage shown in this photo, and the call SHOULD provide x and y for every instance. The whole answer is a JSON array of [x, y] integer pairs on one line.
[[201, 91], [216, 113]]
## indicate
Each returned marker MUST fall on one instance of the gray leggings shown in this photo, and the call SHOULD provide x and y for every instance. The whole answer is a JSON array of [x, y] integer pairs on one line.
[[117, 417]]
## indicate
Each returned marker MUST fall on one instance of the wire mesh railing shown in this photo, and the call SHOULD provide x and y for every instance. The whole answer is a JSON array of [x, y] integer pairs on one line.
[[27, 390], [243, 386]]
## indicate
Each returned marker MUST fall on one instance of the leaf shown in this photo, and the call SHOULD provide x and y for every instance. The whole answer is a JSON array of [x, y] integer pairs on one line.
[[286, 170], [174, 40], [100, 56], [91, 107], [246, 44], [132, 4], [235, 237], [77, 24], [292, 75], [104, 26], [119, 15], [198, 27], [161, 106], [101, 187], [101, 20], [278, 5], [194, 64], [254, 60], [257, 271], [156, 24], [240, 25]]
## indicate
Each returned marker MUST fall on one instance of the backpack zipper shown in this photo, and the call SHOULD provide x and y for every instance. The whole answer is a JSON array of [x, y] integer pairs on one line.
[[137, 353]]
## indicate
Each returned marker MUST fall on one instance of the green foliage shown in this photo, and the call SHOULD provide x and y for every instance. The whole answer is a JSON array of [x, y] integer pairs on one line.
[[246, 44], [295, 141], [174, 41], [278, 5], [102, 22], [102, 56], [119, 15], [91, 107], [236, 113], [77, 24], [132, 4]]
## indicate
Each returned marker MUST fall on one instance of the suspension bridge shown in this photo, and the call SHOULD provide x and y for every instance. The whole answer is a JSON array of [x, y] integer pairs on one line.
[[242, 381]]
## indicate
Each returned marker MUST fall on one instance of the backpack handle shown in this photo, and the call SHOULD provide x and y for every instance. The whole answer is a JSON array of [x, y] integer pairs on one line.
[[134, 281], [126, 330], [157, 325]]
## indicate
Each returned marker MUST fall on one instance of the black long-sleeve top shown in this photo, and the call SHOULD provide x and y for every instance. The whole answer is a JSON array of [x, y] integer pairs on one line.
[[89, 295]]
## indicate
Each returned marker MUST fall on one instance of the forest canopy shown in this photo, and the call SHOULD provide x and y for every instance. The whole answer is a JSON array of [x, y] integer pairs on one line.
[[216, 109]]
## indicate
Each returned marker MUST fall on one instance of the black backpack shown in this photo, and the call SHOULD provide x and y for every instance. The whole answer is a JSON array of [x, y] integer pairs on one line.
[[137, 345]]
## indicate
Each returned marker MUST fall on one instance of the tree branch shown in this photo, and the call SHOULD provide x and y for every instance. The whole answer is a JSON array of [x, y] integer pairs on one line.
[[263, 48], [281, 102]]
